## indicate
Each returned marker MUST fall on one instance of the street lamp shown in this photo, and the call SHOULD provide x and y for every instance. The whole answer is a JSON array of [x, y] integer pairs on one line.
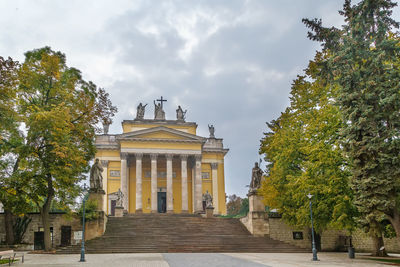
[[314, 250], [83, 223]]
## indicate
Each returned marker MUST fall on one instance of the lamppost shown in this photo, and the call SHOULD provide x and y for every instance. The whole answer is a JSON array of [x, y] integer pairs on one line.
[[83, 224], [314, 250]]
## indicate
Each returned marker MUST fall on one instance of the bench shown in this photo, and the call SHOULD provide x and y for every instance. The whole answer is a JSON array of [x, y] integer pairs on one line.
[[11, 256]]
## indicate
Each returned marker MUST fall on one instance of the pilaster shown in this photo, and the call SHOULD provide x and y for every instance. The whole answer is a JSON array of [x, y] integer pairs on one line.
[[214, 174], [104, 164]]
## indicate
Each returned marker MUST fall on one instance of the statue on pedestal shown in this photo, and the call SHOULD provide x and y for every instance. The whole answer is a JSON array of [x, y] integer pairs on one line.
[[96, 178], [256, 176], [140, 111], [211, 129], [180, 114], [120, 198], [208, 199]]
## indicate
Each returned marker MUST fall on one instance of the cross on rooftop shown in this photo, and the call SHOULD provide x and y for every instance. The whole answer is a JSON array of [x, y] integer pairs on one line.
[[161, 100]]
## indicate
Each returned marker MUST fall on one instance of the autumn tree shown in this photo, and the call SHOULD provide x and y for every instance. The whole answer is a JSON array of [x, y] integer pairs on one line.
[[363, 61], [233, 205], [60, 112], [11, 148], [303, 156]]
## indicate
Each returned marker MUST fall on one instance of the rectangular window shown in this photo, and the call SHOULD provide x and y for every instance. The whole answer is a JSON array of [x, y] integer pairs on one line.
[[205, 175], [114, 173]]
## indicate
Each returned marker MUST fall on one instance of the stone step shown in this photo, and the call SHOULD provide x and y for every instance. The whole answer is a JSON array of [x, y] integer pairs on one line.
[[178, 233]]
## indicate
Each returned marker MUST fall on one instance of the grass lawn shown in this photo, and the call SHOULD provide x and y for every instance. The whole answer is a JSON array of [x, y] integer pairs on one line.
[[6, 261]]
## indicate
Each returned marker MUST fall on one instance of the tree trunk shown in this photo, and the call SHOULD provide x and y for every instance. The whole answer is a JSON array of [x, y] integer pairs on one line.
[[395, 222], [9, 223], [378, 245], [45, 213]]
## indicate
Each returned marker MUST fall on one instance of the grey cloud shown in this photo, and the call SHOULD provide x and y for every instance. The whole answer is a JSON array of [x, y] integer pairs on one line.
[[230, 63]]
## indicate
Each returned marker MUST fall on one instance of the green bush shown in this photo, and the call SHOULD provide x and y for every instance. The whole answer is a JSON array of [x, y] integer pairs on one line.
[[91, 212]]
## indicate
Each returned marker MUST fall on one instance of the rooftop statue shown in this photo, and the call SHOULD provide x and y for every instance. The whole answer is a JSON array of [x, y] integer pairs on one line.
[[180, 114], [96, 178], [140, 111], [159, 113], [212, 130]]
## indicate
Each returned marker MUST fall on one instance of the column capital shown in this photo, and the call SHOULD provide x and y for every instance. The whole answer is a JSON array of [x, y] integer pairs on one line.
[[138, 156], [169, 156], [153, 156], [184, 156], [197, 157], [214, 165], [124, 155], [104, 163]]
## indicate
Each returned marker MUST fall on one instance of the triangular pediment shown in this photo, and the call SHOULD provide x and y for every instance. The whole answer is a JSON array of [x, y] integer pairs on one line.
[[161, 133]]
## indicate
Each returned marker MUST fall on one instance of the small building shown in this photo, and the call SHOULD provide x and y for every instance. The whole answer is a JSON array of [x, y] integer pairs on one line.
[[161, 165]]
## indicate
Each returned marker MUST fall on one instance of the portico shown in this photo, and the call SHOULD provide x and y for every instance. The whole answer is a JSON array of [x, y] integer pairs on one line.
[[162, 166], [161, 172]]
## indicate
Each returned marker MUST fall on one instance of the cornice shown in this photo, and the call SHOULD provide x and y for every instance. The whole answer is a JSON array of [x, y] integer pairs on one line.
[[162, 140]]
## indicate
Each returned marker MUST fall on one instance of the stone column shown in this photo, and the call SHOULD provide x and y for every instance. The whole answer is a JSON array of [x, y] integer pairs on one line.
[[214, 174], [193, 171], [170, 195], [127, 198], [104, 164], [124, 184], [139, 206], [184, 177], [198, 186], [153, 158]]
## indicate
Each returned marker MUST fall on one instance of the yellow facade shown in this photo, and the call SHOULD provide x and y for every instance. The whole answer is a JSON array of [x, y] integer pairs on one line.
[[144, 141]]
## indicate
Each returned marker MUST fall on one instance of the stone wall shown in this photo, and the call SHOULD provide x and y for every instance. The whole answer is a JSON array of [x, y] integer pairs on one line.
[[57, 220], [331, 240], [279, 230], [363, 243]]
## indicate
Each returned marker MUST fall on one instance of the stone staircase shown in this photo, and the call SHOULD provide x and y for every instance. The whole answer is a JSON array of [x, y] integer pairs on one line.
[[178, 233]]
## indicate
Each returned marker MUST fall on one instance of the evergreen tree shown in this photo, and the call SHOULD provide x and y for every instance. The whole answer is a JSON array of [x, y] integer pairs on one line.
[[363, 61]]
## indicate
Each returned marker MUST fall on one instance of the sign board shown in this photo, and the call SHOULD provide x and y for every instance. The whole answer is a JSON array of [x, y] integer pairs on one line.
[[78, 235], [298, 235]]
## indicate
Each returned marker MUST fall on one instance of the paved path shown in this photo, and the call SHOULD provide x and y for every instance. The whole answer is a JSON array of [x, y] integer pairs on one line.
[[208, 260], [198, 259]]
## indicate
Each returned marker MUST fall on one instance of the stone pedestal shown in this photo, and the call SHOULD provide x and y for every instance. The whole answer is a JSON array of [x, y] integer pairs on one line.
[[256, 203], [257, 220], [98, 196], [119, 211], [209, 212]]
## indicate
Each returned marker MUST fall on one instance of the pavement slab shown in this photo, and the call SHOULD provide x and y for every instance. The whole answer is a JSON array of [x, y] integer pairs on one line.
[[96, 260], [326, 259], [208, 259], [199, 259]]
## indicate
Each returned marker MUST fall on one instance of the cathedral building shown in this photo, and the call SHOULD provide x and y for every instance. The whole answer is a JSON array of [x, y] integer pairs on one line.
[[161, 165]]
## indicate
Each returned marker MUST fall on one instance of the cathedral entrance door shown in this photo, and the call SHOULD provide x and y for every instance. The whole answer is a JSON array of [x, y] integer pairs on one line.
[[162, 202]]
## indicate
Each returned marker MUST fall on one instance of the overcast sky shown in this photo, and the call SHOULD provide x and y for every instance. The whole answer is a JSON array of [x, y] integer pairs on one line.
[[229, 63]]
